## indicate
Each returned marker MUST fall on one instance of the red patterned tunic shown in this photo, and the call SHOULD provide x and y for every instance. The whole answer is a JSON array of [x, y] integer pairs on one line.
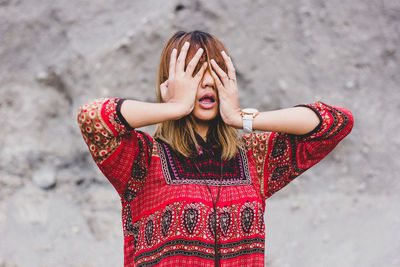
[[167, 210]]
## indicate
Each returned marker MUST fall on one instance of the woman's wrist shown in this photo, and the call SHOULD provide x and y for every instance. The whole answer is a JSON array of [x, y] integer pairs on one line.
[[181, 109], [235, 120]]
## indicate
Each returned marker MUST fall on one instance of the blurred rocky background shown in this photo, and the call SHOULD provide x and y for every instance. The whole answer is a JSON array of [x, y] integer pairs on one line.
[[57, 209]]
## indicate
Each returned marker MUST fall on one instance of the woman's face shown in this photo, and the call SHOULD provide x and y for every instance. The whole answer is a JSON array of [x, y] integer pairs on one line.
[[206, 104]]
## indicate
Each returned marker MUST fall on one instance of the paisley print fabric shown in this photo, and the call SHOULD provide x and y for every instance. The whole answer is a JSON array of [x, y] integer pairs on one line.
[[168, 216], [225, 221], [247, 217], [166, 220], [191, 218], [281, 157]]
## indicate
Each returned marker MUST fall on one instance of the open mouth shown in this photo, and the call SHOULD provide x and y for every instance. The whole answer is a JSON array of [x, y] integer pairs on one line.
[[207, 99]]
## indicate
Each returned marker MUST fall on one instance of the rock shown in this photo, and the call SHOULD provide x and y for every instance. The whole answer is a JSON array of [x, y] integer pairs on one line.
[[361, 187], [282, 85], [296, 205], [350, 84], [45, 177], [326, 237], [50, 77], [75, 229]]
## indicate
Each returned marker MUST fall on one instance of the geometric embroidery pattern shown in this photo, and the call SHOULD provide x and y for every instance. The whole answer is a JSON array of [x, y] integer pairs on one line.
[[178, 170]]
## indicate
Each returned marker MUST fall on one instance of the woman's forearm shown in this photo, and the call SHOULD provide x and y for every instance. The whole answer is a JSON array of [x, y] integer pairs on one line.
[[139, 114], [296, 120]]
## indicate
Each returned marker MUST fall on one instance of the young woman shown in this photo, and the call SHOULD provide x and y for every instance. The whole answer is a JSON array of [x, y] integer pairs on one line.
[[194, 194]]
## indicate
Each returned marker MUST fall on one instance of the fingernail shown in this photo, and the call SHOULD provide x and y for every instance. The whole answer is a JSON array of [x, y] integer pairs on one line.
[[223, 52], [200, 50], [174, 50], [213, 61], [186, 44]]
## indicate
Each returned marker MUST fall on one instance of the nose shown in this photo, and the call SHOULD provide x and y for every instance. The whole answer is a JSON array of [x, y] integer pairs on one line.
[[208, 80]]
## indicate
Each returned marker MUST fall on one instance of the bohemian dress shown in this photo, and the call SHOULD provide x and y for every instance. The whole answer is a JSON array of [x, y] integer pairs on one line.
[[202, 211]]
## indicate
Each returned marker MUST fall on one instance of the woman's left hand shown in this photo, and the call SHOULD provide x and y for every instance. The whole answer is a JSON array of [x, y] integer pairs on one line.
[[227, 92]]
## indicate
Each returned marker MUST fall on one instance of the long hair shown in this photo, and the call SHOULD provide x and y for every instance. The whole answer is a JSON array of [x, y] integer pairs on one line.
[[180, 134]]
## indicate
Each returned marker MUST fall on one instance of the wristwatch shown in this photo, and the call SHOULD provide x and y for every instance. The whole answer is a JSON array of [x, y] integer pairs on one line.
[[248, 114]]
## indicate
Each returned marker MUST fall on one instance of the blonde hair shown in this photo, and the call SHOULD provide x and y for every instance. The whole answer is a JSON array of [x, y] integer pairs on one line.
[[180, 134]]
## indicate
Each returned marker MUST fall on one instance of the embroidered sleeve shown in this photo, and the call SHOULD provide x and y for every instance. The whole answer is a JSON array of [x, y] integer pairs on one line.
[[281, 157], [122, 153]]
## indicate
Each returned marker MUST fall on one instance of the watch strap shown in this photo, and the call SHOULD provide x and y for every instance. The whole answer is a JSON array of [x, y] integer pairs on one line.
[[247, 123]]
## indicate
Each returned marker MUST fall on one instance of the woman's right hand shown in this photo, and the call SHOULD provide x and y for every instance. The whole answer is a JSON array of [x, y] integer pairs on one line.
[[181, 86]]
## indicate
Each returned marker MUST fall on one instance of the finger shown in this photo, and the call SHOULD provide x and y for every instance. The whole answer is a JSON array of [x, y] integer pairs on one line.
[[163, 91], [217, 81], [193, 63], [229, 65], [180, 63], [165, 84], [200, 73], [172, 62], [222, 75]]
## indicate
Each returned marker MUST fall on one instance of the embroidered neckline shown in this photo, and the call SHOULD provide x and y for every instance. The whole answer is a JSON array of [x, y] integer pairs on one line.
[[178, 170]]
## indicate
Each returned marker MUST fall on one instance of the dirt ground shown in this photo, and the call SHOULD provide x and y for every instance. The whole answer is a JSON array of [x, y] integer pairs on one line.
[[57, 209]]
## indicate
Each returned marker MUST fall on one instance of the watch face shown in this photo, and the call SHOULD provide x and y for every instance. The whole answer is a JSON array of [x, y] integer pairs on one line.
[[250, 110]]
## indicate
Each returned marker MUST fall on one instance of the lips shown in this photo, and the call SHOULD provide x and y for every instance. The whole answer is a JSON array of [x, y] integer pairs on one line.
[[207, 101]]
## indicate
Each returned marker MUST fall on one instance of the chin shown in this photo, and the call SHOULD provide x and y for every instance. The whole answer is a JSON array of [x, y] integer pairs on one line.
[[205, 115]]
